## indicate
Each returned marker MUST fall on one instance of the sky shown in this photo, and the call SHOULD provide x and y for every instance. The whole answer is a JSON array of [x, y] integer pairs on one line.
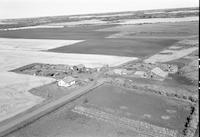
[[37, 8]]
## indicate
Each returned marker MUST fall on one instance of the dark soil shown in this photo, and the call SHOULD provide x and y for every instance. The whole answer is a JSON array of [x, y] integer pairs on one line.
[[119, 47]]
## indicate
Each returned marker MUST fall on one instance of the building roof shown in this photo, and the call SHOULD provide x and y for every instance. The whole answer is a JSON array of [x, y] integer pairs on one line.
[[68, 79], [80, 66], [159, 72]]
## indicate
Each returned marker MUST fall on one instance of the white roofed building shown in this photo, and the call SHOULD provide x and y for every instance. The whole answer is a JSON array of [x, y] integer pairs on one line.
[[67, 82]]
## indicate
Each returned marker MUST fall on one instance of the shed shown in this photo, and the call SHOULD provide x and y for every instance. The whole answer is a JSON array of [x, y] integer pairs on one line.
[[122, 71], [141, 74], [79, 68], [118, 71]]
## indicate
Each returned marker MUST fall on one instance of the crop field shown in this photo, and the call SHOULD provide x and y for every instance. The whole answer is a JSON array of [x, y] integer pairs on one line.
[[66, 33], [15, 97], [131, 48]]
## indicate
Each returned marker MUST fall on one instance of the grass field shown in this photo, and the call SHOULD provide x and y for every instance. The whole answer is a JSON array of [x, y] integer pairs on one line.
[[149, 108]]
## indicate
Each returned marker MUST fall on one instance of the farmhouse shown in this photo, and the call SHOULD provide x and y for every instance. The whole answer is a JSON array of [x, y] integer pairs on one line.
[[159, 72], [67, 82]]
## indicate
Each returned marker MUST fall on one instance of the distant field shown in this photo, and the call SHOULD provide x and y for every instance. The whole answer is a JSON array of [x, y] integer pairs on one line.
[[189, 27], [31, 27], [170, 30], [184, 11], [105, 17], [118, 47], [82, 22], [66, 33], [127, 44], [158, 20]]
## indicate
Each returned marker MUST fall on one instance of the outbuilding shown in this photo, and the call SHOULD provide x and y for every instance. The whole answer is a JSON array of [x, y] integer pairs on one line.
[[79, 68], [141, 74]]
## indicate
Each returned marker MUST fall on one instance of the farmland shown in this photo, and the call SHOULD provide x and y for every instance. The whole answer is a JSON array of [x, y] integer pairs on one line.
[[128, 74]]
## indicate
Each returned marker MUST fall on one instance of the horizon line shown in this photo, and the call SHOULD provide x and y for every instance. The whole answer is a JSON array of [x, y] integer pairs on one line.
[[95, 13]]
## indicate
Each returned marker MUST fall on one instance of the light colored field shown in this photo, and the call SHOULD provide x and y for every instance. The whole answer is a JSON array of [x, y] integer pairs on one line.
[[184, 11], [11, 59], [82, 22], [155, 12], [2, 22], [102, 16], [158, 27], [28, 52], [80, 17], [32, 27], [33, 44], [158, 20], [114, 15], [174, 54], [156, 36], [14, 95], [180, 11]]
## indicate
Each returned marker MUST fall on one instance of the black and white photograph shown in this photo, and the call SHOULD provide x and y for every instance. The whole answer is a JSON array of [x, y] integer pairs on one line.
[[99, 68]]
